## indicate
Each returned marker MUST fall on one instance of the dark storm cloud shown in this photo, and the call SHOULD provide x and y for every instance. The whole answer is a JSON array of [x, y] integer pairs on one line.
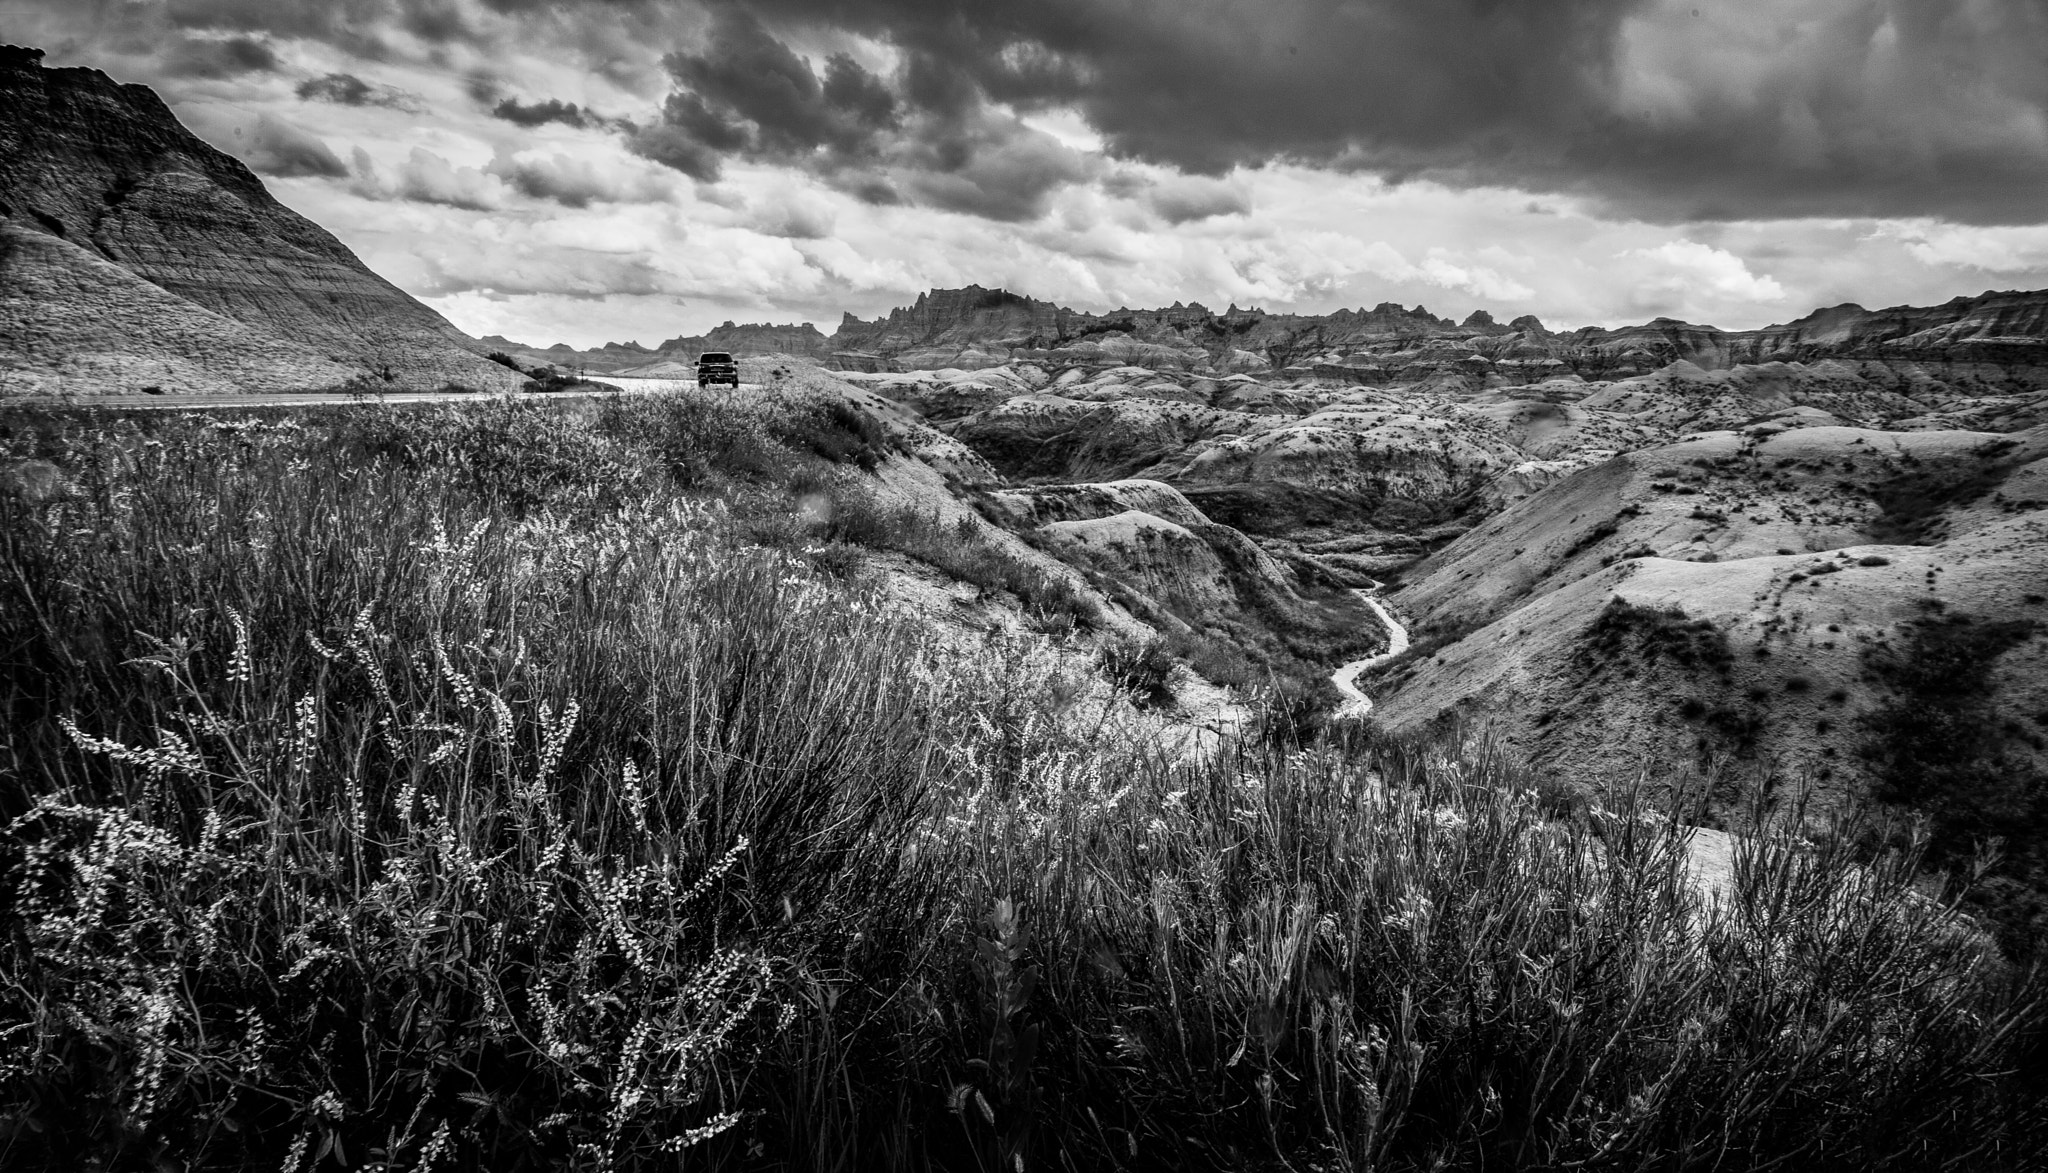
[[532, 114], [538, 113], [1182, 199], [1658, 108], [346, 89], [744, 93], [748, 90], [276, 147], [1786, 107], [575, 183]]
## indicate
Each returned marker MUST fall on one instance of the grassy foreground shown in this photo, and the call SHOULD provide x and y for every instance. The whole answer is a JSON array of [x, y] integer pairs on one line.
[[533, 787]]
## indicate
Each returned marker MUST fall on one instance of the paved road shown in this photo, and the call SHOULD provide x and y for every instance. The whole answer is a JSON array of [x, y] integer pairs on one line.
[[333, 399], [1356, 703]]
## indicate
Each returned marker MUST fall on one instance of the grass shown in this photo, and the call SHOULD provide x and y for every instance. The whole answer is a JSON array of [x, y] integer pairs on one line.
[[373, 806], [965, 549]]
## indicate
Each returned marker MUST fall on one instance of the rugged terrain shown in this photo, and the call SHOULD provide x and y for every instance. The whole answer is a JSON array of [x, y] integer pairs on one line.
[[133, 255], [935, 762], [1815, 498], [1813, 516], [1826, 577], [1765, 554]]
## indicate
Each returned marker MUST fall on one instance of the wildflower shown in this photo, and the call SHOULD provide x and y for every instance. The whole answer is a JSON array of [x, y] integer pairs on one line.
[[636, 801], [171, 755], [436, 1145], [239, 671], [297, 1155], [704, 1132]]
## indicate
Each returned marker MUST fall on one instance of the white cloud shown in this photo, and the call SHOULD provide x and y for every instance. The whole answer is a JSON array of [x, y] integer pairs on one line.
[[431, 179], [577, 182], [2003, 250], [1685, 274]]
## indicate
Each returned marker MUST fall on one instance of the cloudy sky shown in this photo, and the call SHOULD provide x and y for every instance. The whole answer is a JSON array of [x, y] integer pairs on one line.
[[610, 170]]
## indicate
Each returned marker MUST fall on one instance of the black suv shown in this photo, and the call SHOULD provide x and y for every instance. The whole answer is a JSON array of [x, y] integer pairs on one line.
[[716, 366]]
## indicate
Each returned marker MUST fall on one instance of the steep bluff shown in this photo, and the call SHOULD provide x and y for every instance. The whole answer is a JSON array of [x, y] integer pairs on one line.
[[107, 168], [801, 339], [970, 317]]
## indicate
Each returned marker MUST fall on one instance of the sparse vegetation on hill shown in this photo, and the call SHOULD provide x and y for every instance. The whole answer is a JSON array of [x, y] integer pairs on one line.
[[1936, 747], [493, 788]]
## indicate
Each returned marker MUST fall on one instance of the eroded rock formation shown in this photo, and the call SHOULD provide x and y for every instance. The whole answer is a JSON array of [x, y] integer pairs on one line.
[[1997, 341], [107, 170]]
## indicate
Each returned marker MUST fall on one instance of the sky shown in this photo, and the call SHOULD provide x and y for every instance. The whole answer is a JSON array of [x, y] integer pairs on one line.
[[591, 171]]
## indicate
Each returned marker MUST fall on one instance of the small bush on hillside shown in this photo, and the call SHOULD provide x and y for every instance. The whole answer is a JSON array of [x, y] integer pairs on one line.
[[1142, 669], [1591, 538], [835, 431], [1624, 628]]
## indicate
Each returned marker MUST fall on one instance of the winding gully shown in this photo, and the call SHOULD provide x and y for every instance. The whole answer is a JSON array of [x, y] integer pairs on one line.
[[1356, 703]]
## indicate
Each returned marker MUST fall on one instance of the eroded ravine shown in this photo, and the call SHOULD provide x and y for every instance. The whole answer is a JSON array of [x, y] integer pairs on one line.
[[1356, 703]]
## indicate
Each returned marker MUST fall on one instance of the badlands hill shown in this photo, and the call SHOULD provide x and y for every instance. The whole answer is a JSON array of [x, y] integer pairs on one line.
[[1816, 553], [134, 256], [1993, 340]]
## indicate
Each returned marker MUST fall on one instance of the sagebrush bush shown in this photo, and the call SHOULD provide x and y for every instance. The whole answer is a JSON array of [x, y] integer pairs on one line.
[[371, 810], [1144, 669]]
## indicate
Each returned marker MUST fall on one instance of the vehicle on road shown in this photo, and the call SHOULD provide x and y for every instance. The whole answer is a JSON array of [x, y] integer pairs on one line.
[[716, 366]]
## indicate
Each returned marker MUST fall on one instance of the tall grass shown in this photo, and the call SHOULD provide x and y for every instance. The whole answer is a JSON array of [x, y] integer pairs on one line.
[[377, 809]]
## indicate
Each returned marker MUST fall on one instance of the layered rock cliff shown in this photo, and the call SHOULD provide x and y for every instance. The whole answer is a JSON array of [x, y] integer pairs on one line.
[[107, 169], [1997, 340], [72, 322]]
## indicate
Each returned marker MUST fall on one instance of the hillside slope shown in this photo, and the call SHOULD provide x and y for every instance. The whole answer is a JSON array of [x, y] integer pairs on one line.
[[107, 168], [1739, 599]]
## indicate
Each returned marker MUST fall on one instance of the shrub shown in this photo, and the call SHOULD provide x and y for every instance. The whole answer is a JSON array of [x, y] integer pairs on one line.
[[1219, 661], [1623, 627], [1143, 669], [836, 431]]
